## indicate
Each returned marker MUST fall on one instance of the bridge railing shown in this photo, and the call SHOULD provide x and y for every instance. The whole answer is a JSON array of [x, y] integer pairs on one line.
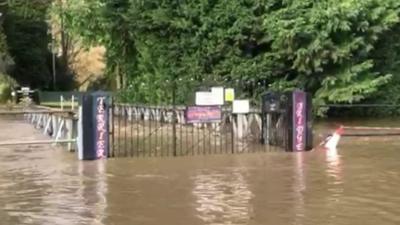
[[60, 125]]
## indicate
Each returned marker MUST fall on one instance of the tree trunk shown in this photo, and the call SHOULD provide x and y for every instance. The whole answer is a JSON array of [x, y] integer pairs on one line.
[[118, 77]]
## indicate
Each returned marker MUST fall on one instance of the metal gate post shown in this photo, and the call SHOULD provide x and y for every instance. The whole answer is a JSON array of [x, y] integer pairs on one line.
[[300, 117], [94, 128], [295, 119], [174, 117], [111, 125]]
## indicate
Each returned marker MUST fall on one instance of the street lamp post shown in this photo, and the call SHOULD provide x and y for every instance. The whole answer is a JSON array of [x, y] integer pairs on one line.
[[54, 63]]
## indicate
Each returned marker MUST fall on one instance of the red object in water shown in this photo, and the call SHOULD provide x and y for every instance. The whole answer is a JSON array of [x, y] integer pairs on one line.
[[340, 130], [333, 141]]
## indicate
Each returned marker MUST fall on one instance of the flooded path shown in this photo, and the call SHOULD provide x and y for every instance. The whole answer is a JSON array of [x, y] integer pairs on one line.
[[358, 185]]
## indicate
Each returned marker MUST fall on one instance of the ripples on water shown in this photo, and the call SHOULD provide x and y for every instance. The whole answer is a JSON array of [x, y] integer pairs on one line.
[[356, 184], [39, 189], [222, 198]]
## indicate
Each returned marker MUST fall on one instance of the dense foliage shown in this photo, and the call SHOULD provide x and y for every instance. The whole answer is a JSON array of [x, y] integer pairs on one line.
[[5, 62], [331, 48], [28, 39], [342, 51], [5, 59]]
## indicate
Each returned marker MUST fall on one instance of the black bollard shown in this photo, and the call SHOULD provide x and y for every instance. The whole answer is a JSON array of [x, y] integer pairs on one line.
[[300, 121], [95, 126], [287, 120]]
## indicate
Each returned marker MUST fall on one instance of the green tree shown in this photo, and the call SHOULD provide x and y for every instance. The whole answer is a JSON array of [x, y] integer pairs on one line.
[[27, 38], [326, 47]]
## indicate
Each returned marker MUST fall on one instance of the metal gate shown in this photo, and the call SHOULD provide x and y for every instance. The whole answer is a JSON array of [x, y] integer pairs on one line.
[[157, 131], [275, 129]]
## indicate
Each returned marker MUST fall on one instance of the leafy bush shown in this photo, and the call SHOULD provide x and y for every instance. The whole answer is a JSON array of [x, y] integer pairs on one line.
[[6, 87]]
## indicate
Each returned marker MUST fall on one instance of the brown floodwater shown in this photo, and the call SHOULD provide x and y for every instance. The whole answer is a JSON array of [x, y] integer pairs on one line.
[[357, 184]]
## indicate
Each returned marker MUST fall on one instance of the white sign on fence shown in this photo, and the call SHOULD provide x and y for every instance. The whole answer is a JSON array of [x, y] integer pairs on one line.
[[241, 106], [218, 93], [215, 97], [204, 98]]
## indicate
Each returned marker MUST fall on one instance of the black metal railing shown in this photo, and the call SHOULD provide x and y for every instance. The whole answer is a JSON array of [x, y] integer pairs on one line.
[[156, 131]]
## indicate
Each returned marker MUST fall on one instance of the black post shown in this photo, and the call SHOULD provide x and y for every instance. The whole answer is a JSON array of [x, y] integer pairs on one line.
[[112, 145], [95, 129], [301, 121], [174, 115], [125, 132], [132, 135], [232, 136]]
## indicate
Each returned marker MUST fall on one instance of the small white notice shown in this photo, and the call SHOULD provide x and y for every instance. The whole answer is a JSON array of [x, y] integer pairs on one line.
[[241, 106], [218, 93], [205, 98], [215, 97]]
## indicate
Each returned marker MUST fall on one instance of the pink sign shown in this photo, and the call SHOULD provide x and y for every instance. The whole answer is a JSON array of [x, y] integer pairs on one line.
[[203, 114]]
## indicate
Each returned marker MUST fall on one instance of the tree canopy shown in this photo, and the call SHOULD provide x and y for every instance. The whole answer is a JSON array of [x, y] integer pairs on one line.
[[27, 35], [27, 39], [342, 51], [327, 47]]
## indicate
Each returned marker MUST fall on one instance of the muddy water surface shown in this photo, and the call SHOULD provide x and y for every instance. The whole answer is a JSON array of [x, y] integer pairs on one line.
[[357, 184]]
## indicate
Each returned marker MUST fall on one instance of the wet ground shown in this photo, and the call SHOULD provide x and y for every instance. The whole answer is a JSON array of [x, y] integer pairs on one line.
[[357, 184]]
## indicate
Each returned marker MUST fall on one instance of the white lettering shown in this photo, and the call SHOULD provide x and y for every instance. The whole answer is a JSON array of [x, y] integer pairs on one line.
[[101, 128], [299, 121]]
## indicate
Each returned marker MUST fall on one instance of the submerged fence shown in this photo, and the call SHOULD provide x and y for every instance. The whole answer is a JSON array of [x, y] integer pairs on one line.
[[106, 129], [146, 131], [284, 122]]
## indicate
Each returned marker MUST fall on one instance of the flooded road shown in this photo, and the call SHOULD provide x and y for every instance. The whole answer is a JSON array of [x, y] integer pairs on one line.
[[358, 184]]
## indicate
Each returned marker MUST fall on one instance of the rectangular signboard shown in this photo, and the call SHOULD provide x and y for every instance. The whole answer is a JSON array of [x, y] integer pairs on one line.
[[204, 98], [218, 93], [241, 106], [215, 97], [229, 94], [203, 114]]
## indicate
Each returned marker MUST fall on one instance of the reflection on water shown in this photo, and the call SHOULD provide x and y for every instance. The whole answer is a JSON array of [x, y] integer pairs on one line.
[[335, 182], [356, 184], [93, 190], [222, 198], [334, 165], [299, 187], [53, 194]]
